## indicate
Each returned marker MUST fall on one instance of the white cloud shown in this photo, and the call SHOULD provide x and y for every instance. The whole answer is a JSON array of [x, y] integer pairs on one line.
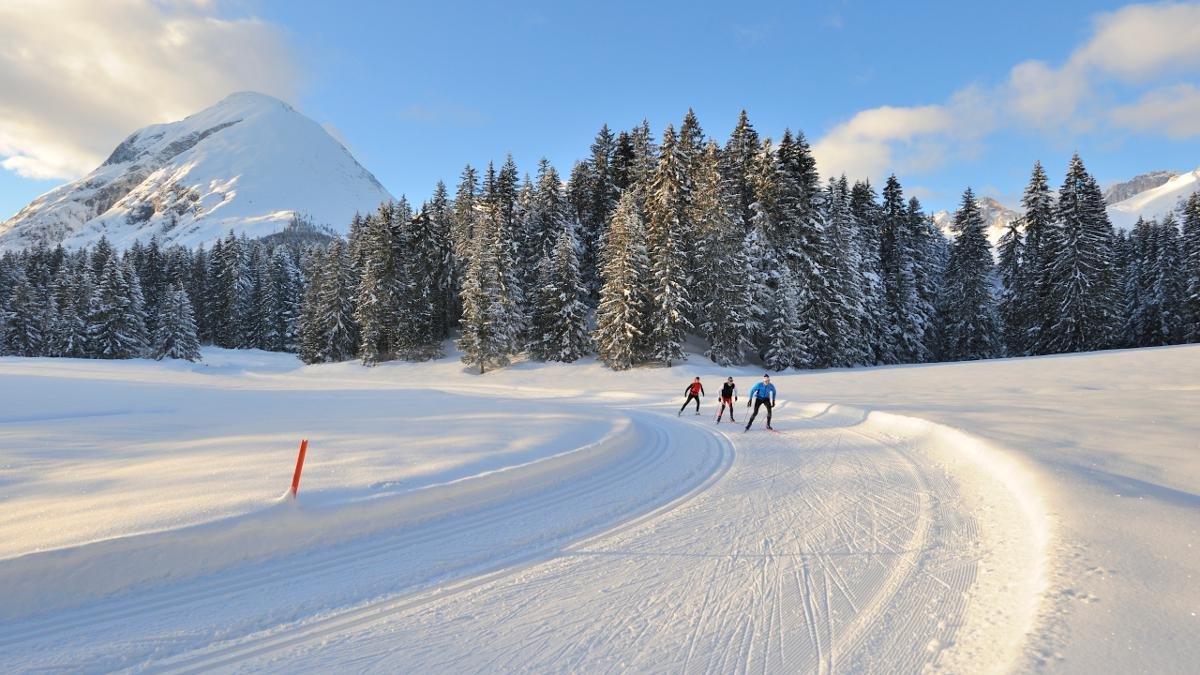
[[1136, 46], [1173, 112], [77, 76], [1141, 41]]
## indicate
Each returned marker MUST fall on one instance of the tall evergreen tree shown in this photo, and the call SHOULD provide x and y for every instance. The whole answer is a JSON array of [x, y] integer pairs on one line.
[[377, 297], [327, 329], [969, 327], [785, 346], [1080, 285], [561, 317], [669, 298], [1034, 308], [620, 317], [175, 335], [115, 329], [877, 325], [1191, 268], [1012, 302], [722, 299], [741, 157]]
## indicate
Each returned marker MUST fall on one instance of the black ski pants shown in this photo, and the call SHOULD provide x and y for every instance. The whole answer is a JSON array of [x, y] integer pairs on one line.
[[689, 399], [761, 402]]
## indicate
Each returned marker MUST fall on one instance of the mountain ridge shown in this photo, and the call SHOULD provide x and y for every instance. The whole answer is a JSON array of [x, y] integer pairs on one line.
[[249, 163]]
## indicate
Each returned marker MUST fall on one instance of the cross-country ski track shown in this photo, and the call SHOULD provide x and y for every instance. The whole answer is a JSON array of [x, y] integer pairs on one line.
[[848, 541]]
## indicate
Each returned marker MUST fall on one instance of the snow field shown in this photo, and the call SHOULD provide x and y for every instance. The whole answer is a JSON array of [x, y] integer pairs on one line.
[[984, 517]]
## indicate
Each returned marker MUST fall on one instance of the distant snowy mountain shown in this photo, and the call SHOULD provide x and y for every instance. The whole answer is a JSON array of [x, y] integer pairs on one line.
[[1146, 181], [1155, 202], [250, 163], [996, 217]]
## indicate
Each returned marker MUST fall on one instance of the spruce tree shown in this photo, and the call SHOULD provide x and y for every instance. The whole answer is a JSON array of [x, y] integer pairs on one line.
[[376, 297], [175, 335], [115, 330], [1034, 310], [850, 346], [1080, 287], [27, 322], [740, 158], [722, 301], [328, 332], [969, 327], [620, 317], [669, 297], [286, 292], [785, 345], [1012, 300], [878, 328], [1191, 268], [561, 316]]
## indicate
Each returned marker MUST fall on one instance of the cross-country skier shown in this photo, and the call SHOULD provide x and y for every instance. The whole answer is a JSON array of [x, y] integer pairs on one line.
[[728, 396], [693, 391], [763, 393]]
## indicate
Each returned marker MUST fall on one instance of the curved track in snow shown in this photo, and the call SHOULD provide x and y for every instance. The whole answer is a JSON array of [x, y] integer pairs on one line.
[[847, 542], [497, 521]]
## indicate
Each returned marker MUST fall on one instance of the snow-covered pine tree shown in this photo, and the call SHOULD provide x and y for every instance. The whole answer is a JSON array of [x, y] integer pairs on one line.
[[417, 323], [1080, 287], [809, 253], [785, 346], [137, 305], [620, 319], [376, 297], [722, 298], [68, 336], [877, 327], [327, 329], [669, 298], [645, 158], [439, 247], [740, 160], [286, 292], [561, 316], [492, 322], [27, 322], [545, 220], [462, 230], [601, 199], [1012, 301], [115, 331], [967, 311], [256, 316], [1034, 311], [850, 346], [1191, 268], [230, 288], [175, 335]]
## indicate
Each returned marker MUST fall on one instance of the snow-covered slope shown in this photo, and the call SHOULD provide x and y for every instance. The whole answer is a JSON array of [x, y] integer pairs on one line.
[[1156, 202], [996, 217], [249, 163], [1147, 181], [1018, 515]]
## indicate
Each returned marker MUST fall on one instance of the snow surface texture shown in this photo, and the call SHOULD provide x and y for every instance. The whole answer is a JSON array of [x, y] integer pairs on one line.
[[989, 516], [250, 163]]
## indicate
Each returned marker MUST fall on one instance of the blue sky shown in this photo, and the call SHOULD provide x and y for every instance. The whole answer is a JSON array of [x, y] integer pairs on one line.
[[944, 94]]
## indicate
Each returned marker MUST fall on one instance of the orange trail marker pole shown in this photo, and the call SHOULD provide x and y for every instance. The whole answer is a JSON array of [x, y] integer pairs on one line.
[[299, 467]]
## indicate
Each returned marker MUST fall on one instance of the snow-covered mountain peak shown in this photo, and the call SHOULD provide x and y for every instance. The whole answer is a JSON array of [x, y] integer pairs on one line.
[[248, 163], [1155, 202], [996, 217]]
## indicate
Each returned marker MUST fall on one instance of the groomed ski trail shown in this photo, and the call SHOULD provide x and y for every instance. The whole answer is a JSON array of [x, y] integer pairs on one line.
[[493, 525], [847, 542]]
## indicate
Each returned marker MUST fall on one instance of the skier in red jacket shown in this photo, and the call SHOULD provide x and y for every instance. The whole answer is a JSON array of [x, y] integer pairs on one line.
[[693, 391]]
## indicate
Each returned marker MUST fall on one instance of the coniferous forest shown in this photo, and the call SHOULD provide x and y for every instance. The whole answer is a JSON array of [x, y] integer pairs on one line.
[[649, 243]]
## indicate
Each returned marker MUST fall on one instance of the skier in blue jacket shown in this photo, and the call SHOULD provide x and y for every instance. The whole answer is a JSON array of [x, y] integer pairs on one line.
[[762, 394]]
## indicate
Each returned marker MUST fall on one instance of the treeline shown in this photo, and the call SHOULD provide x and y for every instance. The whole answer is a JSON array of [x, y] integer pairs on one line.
[[645, 245]]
